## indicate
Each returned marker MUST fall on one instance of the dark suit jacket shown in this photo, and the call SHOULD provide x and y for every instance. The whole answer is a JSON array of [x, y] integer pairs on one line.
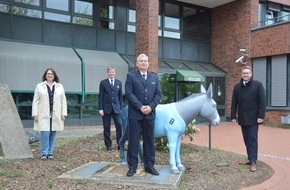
[[110, 98], [141, 92], [249, 101]]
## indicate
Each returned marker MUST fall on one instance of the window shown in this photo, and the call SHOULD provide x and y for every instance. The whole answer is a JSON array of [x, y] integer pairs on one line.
[[218, 93], [219, 90], [90, 107], [167, 83], [204, 21], [131, 27], [26, 12], [57, 17], [132, 16], [159, 25], [57, 5], [171, 21], [85, 8], [28, 2], [274, 75], [279, 81], [57, 10], [83, 12], [106, 14], [23, 103], [30, 8], [285, 14], [82, 21], [272, 16], [73, 105], [271, 13], [189, 20], [4, 8]]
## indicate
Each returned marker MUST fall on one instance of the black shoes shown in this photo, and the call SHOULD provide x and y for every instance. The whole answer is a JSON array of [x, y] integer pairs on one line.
[[245, 163], [109, 148], [253, 168], [151, 171], [131, 172], [43, 157]]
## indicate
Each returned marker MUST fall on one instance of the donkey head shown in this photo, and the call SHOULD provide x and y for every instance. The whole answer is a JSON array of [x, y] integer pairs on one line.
[[209, 110]]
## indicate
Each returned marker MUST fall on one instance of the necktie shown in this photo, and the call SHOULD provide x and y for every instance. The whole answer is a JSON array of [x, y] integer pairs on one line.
[[144, 76], [112, 84]]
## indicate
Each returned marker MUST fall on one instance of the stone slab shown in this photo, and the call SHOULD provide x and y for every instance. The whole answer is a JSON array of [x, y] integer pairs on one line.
[[12, 135], [114, 173]]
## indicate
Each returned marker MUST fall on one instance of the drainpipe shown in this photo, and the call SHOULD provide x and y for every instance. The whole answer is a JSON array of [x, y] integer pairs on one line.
[[83, 83], [128, 64]]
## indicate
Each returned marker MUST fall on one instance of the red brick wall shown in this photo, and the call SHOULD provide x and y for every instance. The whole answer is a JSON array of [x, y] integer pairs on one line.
[[273, 40], [147, 30], [231, 31], [273, 118], [265, 41], [231, 25]]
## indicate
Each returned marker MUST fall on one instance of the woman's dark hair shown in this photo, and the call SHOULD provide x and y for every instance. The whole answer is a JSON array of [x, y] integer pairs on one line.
[[56, 79]]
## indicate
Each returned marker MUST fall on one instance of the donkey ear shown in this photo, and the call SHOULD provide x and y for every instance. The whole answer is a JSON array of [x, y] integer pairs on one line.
[[209, 91], [202, 89]]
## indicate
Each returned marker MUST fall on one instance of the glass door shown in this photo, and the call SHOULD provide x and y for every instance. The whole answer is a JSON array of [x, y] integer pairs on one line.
[[187, 88]]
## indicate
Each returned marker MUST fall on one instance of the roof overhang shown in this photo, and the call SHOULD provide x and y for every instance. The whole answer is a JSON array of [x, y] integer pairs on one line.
[[207, 3], [187, 75], [23, 64]]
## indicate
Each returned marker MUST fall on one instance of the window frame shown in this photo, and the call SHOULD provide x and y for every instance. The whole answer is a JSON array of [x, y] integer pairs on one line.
[[111, 21]]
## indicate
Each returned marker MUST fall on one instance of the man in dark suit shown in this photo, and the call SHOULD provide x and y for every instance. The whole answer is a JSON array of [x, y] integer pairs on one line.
[[111, 104], [143, 92], [249, 102]]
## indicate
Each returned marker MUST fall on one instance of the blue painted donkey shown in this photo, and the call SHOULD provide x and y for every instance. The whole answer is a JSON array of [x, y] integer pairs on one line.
[[172, 120]]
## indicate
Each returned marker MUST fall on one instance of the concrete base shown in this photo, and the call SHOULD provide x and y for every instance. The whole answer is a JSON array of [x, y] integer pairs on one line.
[[113, 173]]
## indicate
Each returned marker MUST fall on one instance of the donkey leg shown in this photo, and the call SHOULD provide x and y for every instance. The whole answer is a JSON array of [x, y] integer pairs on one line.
[[122, 141], [178, 160], [172, 140], [141, 154]]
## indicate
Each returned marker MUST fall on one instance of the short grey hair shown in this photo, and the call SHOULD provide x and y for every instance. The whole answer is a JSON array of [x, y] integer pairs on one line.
[[141, 56], [110, 68]]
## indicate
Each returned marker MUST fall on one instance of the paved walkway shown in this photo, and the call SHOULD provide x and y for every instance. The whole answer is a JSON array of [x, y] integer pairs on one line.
[[274, 149]]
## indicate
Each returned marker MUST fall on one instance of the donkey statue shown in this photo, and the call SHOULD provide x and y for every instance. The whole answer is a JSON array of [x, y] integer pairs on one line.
[[171, 121]]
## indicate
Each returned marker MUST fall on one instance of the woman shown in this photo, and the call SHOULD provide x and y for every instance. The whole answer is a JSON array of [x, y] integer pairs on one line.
[[49, 110]]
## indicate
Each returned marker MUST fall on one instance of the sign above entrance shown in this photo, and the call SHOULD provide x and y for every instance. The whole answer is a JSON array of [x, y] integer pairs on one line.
[[187, 75]]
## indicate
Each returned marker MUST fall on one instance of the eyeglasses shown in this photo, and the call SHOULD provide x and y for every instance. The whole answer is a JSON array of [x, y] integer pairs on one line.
[[49, 74]]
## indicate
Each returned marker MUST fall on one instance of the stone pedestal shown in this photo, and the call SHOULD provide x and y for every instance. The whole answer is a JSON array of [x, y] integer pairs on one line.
[[12, 135]]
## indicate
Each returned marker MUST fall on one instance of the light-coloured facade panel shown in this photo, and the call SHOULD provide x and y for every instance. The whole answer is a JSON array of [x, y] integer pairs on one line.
[[22, 65], [96, 64]]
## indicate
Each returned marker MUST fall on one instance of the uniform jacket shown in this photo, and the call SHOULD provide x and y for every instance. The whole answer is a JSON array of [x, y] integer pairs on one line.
[[110, 97], [40, 107], [141, 92], [249, 101]]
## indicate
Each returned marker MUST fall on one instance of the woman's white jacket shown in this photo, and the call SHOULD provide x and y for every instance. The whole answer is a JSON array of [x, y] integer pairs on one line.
[[40, 108]]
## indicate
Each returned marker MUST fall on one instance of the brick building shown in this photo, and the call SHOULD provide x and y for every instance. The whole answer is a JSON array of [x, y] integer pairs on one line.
[[261, 27], [189, 43]]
